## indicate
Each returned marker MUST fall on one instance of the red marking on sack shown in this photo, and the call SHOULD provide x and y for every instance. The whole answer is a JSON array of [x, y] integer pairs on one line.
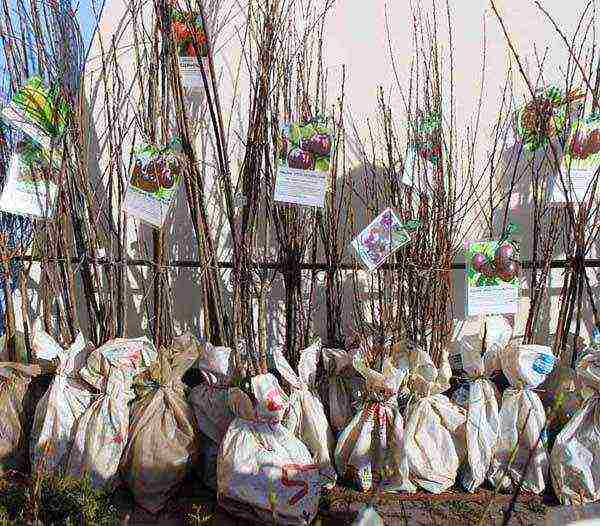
[[274, 400], [288, 483]]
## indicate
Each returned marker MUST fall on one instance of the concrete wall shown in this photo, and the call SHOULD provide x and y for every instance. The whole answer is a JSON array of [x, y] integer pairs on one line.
[[359, 35]]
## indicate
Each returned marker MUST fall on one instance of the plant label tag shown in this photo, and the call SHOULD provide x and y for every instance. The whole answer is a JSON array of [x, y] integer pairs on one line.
[[29, 188], [153, 186], [493, 284], [580, 161], [380, 239], [190, 72], [192, 47], [304, 160]]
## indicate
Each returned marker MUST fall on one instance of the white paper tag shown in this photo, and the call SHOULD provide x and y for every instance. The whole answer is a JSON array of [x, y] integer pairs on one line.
[[26, 191], [382, 238], [13, 115], [190, 72], [152, 188], [301, 187], [489, 289], [578, 183]]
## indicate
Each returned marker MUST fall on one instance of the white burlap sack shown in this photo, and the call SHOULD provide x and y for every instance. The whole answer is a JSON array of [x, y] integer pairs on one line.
[[481, 399], [521, 458], [575, 458], [102, 431], [62, 405], [344, 386], [210, 402], [370, 450], [264, 472], [305, 416], [434, 425]]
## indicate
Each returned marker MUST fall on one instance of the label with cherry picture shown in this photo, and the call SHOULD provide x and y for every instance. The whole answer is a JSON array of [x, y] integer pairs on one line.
[[382, 238], [492, 272], [154, 183], [580, 161], [192, 47], [31, 187], [304, 158]]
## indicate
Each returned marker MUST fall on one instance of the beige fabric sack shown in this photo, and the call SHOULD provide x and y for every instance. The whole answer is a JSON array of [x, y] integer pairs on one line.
[[102, 431], [479, 398], [15, 379], [210, 402], [344, 386], [370, 450], [575, 458], [162, 440], [305, 417], [265, 474], [62, 406], [522, 435], [434, 433]]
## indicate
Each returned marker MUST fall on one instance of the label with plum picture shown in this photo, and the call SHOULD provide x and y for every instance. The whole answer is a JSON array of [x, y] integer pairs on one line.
[[154, 183], [580, 161], [30, 188], [192, 47], [304, 160], [382, 238], [492, 272]]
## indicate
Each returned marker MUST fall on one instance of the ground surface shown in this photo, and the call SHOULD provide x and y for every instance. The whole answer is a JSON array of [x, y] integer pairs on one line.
[[196, 506]]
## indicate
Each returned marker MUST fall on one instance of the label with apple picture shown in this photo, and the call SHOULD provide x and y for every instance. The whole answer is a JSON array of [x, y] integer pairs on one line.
[[154, 183], [192, 47], [304, 154], [580, 161], [492, 276]]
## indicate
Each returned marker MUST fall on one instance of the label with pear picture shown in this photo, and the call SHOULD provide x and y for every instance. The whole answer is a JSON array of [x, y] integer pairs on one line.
[[154, 183], [304, 157], [492, 276], [192, 47], [38, 111], [580, 161]]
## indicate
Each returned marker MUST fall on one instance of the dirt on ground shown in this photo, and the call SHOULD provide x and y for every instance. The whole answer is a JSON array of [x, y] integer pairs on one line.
[[195, 505]]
